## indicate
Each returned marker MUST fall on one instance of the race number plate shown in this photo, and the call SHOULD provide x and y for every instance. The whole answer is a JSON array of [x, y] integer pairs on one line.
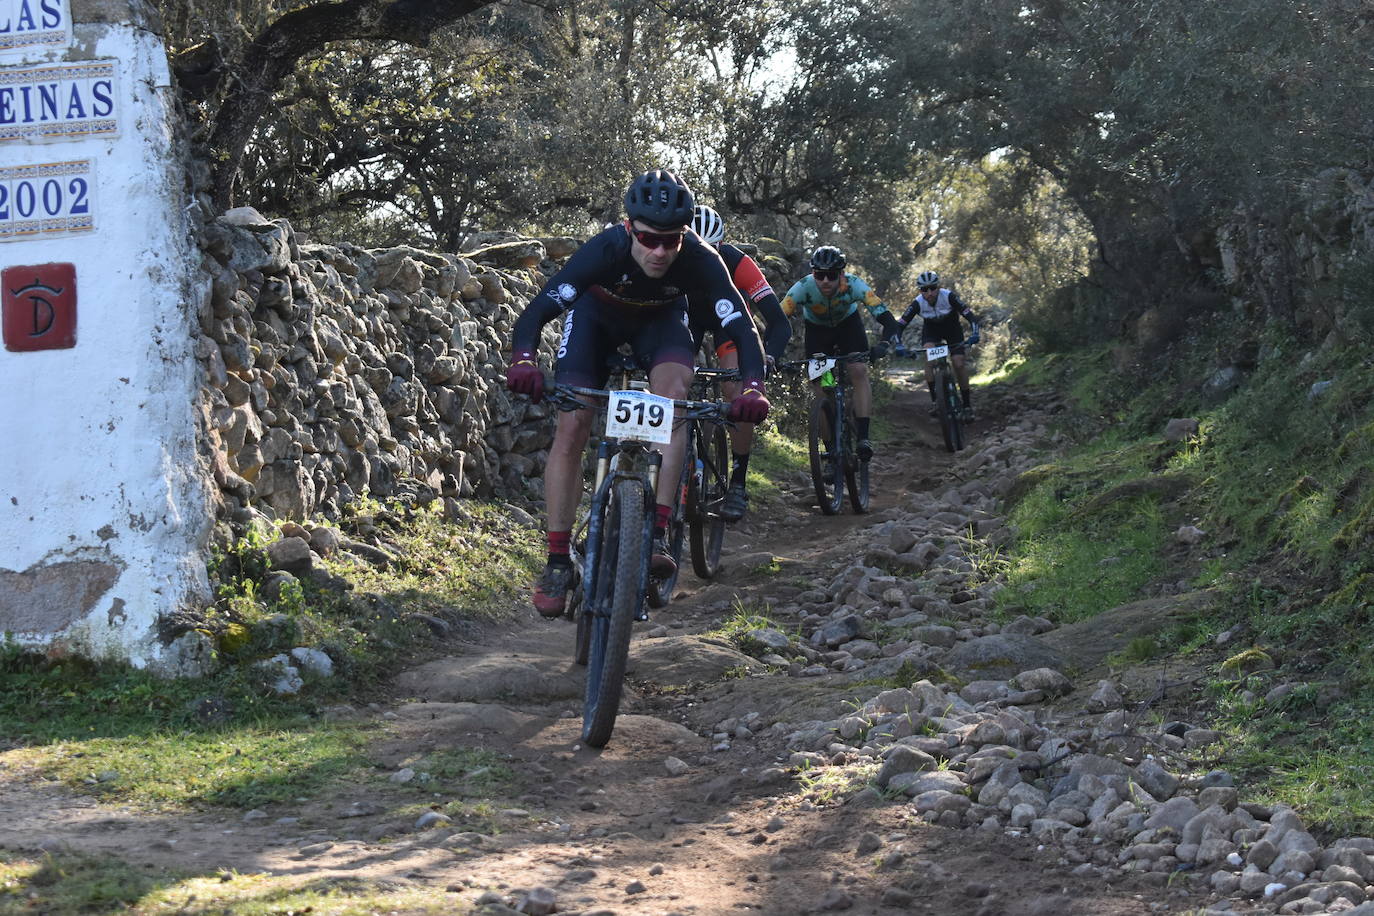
[[639, 415], [815, 368], [934, 353]]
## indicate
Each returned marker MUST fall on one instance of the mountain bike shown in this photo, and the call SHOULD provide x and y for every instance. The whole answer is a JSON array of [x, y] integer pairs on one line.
[[832, 440], [696, 516], [614, 551], [948, 406]]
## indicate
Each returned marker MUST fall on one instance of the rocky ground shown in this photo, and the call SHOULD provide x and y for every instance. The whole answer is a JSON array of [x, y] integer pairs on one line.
[[841, 769]]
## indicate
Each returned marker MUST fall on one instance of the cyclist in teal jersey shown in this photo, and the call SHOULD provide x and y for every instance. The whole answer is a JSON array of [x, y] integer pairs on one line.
[[829, 301]]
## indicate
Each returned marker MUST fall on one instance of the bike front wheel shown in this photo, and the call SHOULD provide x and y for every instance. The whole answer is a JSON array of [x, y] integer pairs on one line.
[[827, 466], [622, 573], [704, 496], [947, 405]]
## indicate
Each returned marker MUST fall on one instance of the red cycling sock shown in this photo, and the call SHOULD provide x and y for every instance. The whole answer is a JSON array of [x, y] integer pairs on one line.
[[661, 515], [559, 543]]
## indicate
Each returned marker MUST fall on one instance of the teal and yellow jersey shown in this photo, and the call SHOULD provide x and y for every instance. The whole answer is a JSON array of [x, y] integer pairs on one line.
[[805, 297]]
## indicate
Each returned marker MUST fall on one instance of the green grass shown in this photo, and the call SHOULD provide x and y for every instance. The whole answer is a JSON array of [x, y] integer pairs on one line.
[[1283, 484], [242, 768], [449, 571], [830, 785], [97, 885], [1068, 568], [1310, 753], [743, 619], [776, 456], [227, 738], [463, 570]]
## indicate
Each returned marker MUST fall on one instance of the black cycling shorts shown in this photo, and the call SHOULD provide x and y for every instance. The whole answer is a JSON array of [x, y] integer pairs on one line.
[[593, 329], [946, 330], [846, 337]]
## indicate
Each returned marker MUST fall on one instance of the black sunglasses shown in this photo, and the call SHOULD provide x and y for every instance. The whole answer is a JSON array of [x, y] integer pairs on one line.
[[651, 240], [926, 289], [826, 274]]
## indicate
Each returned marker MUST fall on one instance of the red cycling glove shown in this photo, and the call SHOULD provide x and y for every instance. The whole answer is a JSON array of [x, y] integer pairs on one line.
[[751, 406], [524, 376]]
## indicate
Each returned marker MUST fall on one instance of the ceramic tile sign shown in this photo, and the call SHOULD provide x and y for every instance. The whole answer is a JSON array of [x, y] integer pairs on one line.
[[47, 198], [59, 101], [38, 307], [27, 25]]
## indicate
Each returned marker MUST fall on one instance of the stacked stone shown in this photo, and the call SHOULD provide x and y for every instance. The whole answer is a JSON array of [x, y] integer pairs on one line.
[[1019, 748], [337, 372]]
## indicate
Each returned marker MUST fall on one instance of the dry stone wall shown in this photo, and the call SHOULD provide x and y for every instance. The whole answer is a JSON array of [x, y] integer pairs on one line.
[[334, 372]]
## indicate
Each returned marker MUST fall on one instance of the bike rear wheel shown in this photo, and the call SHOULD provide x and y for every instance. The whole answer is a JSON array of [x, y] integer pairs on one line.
[[855, 471], [704, 496], [661, 590], [827, 468], [622, 573]]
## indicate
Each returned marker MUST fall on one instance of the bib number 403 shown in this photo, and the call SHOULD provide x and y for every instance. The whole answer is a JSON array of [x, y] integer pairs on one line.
[[639, 415]]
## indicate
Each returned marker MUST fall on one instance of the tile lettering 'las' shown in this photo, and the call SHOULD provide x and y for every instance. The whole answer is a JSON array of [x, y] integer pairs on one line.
[[34, 24]]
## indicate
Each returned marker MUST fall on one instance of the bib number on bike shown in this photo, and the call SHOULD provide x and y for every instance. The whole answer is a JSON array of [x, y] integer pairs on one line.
[[815, 368], [639, 415], [934, 353]]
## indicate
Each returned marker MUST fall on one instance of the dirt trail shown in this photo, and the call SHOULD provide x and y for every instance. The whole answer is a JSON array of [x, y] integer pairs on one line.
[[614, 831]]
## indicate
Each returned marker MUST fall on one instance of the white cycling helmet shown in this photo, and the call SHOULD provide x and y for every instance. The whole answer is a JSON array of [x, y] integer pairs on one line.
[[708, 224], [928, 278]]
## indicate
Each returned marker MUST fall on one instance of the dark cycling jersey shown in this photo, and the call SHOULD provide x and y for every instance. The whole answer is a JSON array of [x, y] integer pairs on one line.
[[605, 269], [945, 304], [753, 286]]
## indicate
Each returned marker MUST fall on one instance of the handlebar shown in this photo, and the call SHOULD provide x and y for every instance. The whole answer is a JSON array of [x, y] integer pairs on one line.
[[913, 352], [570, 397], [858, 356]]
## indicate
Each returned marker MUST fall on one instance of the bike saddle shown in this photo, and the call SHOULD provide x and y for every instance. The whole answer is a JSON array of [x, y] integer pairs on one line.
[[623, 362]]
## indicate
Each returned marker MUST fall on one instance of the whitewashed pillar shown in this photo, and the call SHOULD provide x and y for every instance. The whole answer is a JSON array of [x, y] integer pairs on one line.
[[104, 512]]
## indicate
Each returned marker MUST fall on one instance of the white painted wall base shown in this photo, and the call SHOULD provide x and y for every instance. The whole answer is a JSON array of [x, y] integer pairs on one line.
[[104, 509]]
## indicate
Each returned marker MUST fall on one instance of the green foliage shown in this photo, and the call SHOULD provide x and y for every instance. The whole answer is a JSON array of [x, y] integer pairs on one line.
[[744, 619], [65, 883], [70, 884]]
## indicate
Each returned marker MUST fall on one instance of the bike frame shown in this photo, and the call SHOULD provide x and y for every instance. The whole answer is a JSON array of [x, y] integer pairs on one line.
[[638, 454]]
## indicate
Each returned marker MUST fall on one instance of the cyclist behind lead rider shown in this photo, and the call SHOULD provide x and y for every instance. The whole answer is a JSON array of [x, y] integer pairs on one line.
[[630, 283], [829, 301], [940, 310], [754, 288]]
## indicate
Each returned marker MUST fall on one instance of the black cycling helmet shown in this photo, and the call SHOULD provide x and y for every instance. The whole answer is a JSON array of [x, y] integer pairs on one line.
[[661, 199], [828, 257]]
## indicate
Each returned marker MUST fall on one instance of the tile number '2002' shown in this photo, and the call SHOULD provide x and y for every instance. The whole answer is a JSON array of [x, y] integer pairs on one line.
[[51, 198]]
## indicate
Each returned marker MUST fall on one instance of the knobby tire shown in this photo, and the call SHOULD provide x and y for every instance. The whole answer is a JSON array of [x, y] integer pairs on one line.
[[948, 418], [955, 406], [706, 526], [855, 471], [661, 590], [827, 467], [623, 569]]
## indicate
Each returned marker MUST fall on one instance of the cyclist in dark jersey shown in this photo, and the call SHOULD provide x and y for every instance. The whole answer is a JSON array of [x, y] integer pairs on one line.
[[749, 280], [940, 310], [630, 283]]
